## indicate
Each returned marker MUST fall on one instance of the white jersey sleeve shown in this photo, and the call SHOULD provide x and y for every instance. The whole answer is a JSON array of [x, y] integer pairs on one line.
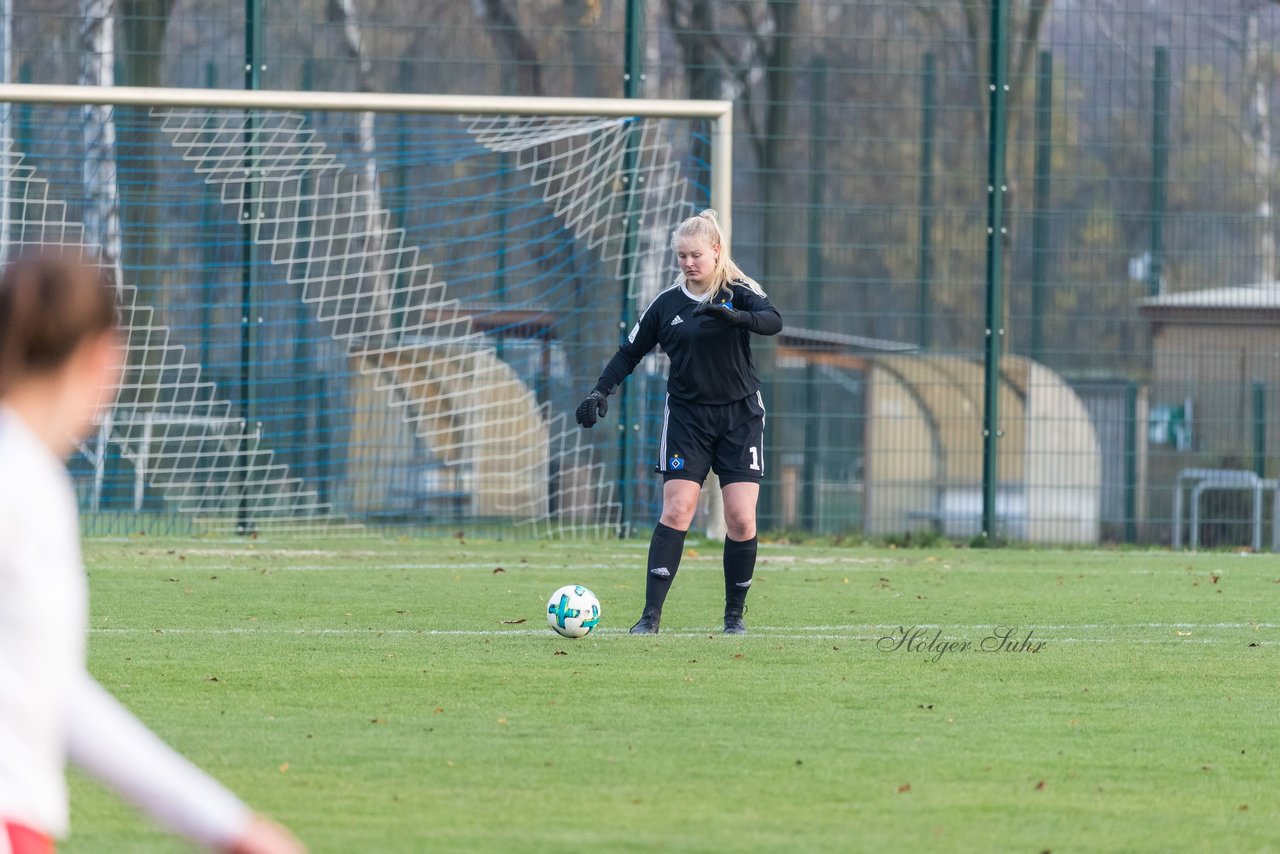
[[108, 742]]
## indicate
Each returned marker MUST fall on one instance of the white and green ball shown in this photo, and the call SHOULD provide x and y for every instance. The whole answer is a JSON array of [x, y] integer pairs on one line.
[[573, 611]]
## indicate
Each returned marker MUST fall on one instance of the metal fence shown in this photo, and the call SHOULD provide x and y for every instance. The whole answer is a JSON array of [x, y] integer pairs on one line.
[[1127, 283]]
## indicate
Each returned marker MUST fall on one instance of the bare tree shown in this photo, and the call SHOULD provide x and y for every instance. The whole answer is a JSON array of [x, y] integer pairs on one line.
[[344, 14], [1026, 21], [580, 17], [755, 51], [522, 72], [142, 29], [689, 20], [1256, 131], [140, 49]]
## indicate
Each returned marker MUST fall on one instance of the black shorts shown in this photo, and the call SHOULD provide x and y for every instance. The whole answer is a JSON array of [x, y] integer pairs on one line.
[[700, 437]]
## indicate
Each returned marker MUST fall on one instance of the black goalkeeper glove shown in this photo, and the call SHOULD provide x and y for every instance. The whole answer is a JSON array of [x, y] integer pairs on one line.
[[723, 312], [593, 408]]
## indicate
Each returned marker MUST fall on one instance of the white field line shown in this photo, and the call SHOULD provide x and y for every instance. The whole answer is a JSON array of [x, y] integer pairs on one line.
[[694, 564], [846, 633]]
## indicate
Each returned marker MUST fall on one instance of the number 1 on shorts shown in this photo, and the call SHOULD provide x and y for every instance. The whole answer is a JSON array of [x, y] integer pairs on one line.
[[755, 459]]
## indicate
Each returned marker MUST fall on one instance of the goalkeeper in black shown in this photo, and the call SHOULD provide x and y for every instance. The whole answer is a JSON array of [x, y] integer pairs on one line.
[[714, 418]]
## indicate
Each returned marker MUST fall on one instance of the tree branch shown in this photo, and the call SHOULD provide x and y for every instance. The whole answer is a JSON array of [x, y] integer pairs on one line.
[[513, 46]]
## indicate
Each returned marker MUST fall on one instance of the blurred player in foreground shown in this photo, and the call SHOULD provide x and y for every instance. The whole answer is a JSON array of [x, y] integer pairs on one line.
[[714, 418], [60, 361]]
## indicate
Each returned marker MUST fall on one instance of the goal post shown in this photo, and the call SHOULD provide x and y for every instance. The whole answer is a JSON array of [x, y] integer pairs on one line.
[[718, 112], [355, 308]]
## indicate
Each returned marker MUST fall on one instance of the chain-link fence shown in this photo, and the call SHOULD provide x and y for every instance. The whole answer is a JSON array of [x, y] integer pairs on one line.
[[1139, 312]]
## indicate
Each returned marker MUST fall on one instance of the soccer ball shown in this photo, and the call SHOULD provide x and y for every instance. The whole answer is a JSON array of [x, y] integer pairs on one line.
[[573, 611]]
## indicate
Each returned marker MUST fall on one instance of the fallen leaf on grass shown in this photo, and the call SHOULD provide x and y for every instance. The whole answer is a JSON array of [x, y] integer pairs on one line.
[[1040, 786], [498, 569], [514, 622], [904, 788]]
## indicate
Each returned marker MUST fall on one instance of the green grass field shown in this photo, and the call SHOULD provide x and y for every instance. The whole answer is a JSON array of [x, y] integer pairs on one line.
[[406, 695]]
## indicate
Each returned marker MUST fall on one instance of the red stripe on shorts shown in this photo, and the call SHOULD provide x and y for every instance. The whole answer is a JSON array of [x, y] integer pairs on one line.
[[24, 840]]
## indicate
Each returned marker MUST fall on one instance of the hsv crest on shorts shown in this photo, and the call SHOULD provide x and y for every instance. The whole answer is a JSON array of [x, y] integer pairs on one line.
[[676, 462]]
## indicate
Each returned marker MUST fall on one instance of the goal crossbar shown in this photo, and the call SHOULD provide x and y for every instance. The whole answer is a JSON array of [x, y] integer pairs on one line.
[[719, 112]]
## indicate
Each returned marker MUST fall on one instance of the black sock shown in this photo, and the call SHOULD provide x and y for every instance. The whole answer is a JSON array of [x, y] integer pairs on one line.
[[665, 550], [739, 566]]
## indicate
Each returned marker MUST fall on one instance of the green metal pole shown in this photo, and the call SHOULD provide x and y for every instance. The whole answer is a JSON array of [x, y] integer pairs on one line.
[[924, 274], [1041, 201], [1259, 428], [308, 441], [1131, 462], [400, 212], [209, 250], [248, 214], [996, 231], [500, 273], [633, 87], [318, 436], [1159, 167], [813, 301], [25, 138]]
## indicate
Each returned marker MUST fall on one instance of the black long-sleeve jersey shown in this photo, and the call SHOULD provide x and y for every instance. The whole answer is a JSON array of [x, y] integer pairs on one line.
[[710, 359]]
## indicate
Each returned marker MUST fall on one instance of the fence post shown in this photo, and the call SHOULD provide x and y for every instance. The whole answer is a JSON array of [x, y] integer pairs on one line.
[[996, 231], [633, 87], [248, 214], [813, 300], [1131, 462], [1259, 428], [209, 249]]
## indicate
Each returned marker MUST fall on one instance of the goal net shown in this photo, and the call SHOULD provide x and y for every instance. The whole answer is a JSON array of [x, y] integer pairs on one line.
[[353, 309]]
